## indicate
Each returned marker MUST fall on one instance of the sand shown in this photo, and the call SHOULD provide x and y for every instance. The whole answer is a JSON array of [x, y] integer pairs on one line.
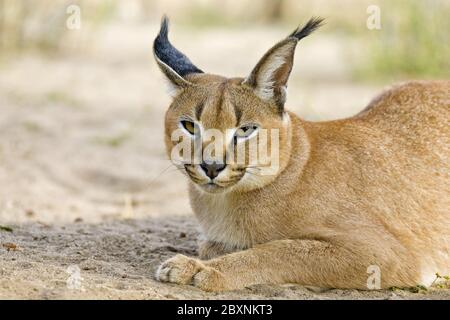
[[85, 184], [117, 260]]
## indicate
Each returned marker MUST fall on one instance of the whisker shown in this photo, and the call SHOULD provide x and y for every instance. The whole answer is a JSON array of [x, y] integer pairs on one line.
[[253, 173], [165, 170]]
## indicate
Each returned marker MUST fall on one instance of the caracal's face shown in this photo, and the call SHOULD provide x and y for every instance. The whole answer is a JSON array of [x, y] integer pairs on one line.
[[229, 134], [223, 136]]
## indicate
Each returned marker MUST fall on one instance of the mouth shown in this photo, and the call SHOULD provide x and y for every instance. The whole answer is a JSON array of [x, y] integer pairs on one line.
[[213, 185]]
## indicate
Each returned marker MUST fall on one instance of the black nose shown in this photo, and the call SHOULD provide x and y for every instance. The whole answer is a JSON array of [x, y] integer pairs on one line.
[[212, 170]]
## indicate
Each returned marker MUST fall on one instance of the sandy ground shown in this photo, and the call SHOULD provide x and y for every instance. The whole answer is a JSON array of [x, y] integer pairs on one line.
[[84, 179], [117, 260]]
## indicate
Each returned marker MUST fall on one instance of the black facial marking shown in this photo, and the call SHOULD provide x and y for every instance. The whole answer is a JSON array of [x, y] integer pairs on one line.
[[238, 114], [199, 110], [220, 99]]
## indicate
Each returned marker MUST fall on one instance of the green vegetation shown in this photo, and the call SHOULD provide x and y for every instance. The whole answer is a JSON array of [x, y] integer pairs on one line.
[[441, 282], [413, 41], [60, 97], [5, 228], [32, 126], [201, 16], [41, 25], [114, 141], [416, 289]]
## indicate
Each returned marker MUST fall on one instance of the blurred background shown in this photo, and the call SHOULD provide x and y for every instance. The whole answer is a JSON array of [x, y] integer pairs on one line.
[[82, 102]]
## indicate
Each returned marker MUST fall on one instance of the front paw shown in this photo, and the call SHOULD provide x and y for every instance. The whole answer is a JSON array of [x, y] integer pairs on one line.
[[179, 269], [184, 270], [210, 279]]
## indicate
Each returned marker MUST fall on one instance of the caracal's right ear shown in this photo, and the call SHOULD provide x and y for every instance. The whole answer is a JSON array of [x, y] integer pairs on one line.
[[174, 64]]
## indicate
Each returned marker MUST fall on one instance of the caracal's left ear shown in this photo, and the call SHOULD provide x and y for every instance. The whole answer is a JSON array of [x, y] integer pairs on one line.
[[174, 64], [269, 77]]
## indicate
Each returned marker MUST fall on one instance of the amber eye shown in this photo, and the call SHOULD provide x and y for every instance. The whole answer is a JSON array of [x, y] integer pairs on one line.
[[245, 131], [189, 126]]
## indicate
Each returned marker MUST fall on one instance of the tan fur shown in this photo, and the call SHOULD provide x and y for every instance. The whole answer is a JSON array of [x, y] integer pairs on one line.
[[373, 189]]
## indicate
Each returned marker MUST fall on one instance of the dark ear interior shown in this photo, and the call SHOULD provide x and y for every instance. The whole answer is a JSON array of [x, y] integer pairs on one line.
[[270, 75], [174, 64]]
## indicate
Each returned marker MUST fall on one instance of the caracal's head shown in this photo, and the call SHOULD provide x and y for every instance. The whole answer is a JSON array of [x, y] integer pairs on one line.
[[229, 133]]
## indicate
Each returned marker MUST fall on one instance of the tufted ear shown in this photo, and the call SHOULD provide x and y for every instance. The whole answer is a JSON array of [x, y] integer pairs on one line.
[[269, 77], [174, 64]]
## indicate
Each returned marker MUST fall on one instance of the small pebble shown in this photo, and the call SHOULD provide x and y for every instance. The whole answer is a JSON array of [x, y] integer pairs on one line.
[[10, 246]]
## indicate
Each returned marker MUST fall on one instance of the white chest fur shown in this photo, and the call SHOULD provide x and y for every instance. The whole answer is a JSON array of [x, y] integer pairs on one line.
[[222, 221]]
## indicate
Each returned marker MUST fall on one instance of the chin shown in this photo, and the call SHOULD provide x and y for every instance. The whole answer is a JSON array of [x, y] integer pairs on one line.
[[213, 188]]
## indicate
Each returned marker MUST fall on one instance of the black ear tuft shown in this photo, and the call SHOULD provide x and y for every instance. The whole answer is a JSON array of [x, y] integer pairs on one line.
[[313, 24], [169, 55]]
